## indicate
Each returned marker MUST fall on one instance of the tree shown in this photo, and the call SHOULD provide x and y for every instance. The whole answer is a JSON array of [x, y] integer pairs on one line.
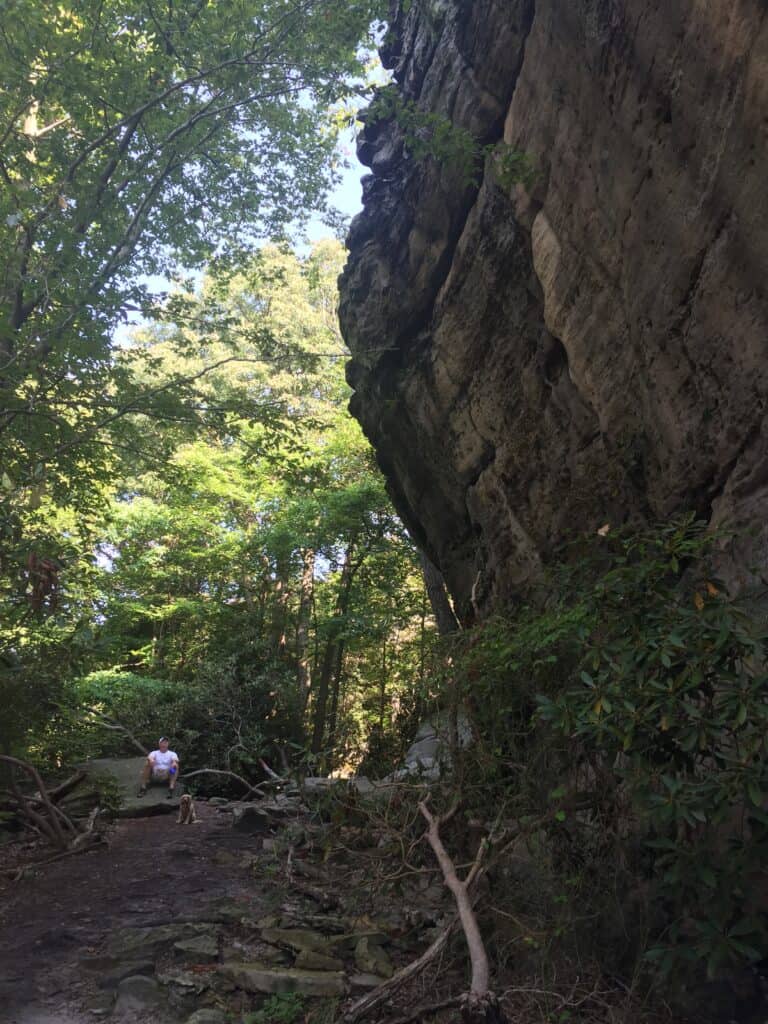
[[136, 138], [253, 575]]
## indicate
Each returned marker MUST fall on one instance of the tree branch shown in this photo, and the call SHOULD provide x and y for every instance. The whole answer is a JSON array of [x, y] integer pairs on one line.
[[110, 723], [232, 775], [56, 832], [477, 954]]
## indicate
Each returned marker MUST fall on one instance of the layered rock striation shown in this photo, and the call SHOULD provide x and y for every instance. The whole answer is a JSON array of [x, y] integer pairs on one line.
[[533, 361]]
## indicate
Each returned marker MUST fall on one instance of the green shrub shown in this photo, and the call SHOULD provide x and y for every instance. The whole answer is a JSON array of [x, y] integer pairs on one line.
[[631, 706], [282, 1009], [227, 716]]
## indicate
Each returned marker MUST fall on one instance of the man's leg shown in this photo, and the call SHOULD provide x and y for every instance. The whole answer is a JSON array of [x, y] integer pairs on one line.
[[146, 775], [172, 776]]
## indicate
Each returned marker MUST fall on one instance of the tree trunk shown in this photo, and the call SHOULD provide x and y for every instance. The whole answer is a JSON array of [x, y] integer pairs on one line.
[[338, 666], [383, 685], [438, 597], [321, 697], [279, 610], [334, 650], [303, 667]]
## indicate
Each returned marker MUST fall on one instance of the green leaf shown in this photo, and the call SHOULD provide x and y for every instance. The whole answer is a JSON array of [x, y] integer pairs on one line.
[[755, 793], [707, 875]]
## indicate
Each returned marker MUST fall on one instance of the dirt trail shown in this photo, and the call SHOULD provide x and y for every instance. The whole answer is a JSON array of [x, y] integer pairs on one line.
[[154, 872]]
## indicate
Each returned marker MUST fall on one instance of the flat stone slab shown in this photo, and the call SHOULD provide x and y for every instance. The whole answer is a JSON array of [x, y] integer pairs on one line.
[[147, 942], [127, 772], [365, 982], [255, 977], [309, 960], [186, 982], [110, 977], [200, 949], [297, 938]]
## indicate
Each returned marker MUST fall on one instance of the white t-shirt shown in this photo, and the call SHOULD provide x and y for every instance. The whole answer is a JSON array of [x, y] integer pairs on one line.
[[162, 762]]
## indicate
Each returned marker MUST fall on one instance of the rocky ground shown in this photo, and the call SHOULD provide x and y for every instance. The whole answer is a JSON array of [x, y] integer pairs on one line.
[[285, 910], [203, 924]]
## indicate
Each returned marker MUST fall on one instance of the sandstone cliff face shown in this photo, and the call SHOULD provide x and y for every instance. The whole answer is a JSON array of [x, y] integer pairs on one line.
[[530, 362]]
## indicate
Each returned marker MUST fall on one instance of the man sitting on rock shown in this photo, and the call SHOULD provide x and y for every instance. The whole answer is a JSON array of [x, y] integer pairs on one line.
[[162, 766]]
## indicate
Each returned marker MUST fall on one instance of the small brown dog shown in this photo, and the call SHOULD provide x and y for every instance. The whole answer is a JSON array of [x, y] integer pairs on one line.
[[187, 813]]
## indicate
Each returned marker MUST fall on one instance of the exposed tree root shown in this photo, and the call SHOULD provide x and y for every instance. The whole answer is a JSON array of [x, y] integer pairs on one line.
[[483, 1009], [42, 814], [49, 819]]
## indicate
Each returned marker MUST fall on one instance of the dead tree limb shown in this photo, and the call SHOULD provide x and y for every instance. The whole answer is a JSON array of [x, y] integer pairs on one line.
[[60, 791], [477, 954], [87, 833], [502, 843], [110, 723], [374, 998], [232, 775], [38, 822], [54, 831], [480, 1004], [268, 771]]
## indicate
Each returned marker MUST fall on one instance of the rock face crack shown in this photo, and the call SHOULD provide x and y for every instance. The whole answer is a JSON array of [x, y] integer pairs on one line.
[[530, 361]]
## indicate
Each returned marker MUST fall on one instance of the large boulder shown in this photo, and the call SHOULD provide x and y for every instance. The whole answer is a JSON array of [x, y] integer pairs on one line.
[[126, 771], [250, 819]]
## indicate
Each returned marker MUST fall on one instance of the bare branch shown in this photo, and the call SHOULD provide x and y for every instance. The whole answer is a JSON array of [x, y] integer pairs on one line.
[[219, 771], [372, 999], [110, 723], [460, 890], [55, 826]]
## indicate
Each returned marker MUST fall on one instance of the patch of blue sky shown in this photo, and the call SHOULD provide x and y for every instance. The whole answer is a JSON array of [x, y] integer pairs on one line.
[[345, 198]]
